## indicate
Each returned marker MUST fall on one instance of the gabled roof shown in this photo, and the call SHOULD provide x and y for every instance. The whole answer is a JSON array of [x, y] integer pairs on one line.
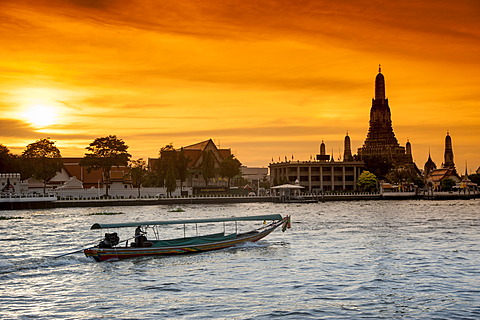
[[194, 152], [437, 175], [199, 146]]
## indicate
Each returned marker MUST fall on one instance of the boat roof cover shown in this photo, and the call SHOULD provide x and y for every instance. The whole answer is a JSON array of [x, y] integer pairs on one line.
[[151, 223], [288, 186]]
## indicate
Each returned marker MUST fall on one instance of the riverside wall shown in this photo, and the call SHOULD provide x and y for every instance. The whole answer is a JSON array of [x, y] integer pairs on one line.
[[224, 199]]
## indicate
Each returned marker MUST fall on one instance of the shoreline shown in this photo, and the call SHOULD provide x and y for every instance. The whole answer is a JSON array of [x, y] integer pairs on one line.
[[16, 205]]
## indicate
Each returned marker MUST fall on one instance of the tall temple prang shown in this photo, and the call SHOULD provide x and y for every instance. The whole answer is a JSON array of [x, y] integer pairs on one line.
[[347, 150], [408, 150], [323, 156], [448, 155], [381, 141]]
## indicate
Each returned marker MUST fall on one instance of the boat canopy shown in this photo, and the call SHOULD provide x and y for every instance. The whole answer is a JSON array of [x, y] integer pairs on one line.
[[288, 186], [152, 223]]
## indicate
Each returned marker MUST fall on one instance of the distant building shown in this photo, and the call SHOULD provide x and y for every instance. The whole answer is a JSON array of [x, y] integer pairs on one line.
[[466, 183], [320, 175], [11, 183], [195, 153], [434, 176], [429, 166], [254, 175], [75, 176]]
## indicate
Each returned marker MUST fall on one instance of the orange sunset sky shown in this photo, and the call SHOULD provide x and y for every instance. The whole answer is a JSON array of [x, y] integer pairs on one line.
[[267, 79]]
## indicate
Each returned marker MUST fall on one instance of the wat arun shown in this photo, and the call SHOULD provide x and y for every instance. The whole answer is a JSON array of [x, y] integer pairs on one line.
[[381, 142]]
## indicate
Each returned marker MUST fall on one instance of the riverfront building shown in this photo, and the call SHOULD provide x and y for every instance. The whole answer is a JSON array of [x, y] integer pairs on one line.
[[322, 174], [11, 183], [434, 176], [195, 154]]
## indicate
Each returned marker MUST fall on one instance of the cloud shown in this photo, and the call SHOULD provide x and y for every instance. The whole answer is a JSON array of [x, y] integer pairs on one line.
[[18, 129]]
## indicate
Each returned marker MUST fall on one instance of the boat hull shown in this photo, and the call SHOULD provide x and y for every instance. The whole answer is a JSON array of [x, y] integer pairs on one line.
[[119, 253]]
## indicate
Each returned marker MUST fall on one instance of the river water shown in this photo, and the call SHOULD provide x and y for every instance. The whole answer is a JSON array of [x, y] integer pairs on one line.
[[340, 260]]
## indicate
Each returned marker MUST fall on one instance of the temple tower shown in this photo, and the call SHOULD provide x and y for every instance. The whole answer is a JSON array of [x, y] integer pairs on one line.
[[381, 141], [408, 150], [347, 150], [322, 149], [448, 155], [429, 165], [323, 156]]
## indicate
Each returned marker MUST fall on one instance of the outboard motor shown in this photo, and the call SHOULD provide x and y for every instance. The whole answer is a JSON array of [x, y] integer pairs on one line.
[[110, 240]]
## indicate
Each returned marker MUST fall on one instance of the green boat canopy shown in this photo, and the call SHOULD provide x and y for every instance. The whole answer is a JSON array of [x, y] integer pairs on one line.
[[153, 223]]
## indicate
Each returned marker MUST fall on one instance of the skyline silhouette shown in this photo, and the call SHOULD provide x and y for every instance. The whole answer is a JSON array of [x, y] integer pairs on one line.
[[266, 81]]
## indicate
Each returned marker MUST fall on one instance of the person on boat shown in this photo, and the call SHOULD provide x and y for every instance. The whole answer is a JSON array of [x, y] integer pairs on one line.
[[139, 237]]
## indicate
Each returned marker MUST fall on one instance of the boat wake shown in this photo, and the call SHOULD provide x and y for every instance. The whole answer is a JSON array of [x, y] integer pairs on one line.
[[258, 244], [9, 266]]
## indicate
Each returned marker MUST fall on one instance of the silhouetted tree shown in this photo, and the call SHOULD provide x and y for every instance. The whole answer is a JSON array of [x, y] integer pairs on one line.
[[379, 166], [105, 153], [265, 183], [44, 159], [447, 184], [167, 159], [7, 160], [208, 166], [138, 173], [229, 168], [170, 180], [151, 179], [182, 167], [475, 178]]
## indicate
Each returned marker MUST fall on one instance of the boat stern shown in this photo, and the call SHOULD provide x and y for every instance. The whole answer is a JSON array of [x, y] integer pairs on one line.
[[92, 253]]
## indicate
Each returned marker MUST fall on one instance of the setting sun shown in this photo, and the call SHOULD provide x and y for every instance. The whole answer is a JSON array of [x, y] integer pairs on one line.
[[40, 115]]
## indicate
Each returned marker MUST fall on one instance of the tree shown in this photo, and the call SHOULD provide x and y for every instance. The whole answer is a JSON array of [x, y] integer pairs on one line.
[[105, 153], [208, 166], [229, 168], [447, 184], [367, 181], [405, 174], [138, 172], [265, 183], [378, 165], [167, 157], [6, 160], [170, 180], [475, 178], [182, 167], [44, 159], [151, 180]]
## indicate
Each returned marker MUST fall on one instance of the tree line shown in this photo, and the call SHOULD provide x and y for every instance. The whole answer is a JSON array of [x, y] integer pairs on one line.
[[42, 160]]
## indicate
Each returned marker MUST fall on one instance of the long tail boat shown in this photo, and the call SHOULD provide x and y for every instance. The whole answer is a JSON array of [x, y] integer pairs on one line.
[[111, 248]]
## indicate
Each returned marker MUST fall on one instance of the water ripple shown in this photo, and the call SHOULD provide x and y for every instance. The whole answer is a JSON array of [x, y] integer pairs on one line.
[[343, 260]]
